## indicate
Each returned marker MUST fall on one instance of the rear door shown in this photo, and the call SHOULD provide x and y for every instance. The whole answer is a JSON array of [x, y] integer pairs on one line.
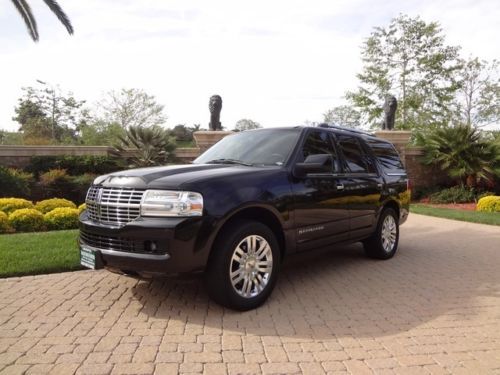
[[362, 184]]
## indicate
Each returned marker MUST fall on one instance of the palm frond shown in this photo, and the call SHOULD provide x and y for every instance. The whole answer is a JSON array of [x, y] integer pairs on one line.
[[24, 9], [57, 10]]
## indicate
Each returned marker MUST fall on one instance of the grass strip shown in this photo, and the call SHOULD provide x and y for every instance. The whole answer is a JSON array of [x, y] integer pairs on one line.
[[491, 218]]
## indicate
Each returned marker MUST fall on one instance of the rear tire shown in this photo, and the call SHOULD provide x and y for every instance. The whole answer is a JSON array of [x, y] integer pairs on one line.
[[244, 265], [383, 244]]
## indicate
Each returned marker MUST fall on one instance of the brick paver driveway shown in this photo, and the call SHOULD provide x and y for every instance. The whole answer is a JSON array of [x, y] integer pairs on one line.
[[434, 308]]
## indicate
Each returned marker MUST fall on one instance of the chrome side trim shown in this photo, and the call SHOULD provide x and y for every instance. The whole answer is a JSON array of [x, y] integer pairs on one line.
[[127, 254], [396, 174]]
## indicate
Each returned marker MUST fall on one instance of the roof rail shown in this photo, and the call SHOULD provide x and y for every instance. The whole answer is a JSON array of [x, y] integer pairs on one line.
[[325, 125]]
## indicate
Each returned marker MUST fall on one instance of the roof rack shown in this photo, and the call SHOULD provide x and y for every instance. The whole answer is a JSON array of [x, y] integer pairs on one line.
[[325, 125]]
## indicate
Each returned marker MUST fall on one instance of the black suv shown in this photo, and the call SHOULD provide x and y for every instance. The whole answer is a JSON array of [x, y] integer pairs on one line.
[[245, 204]]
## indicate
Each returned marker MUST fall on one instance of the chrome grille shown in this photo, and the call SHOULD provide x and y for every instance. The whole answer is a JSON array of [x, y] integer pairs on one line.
[[115, 206]]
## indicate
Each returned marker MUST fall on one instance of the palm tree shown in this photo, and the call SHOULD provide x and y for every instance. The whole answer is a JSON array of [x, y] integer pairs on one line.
[[463, 153], [24, 9], [145, 146]]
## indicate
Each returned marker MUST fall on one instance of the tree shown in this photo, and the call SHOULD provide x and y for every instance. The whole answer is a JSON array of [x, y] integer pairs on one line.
[[463, 152], [10, 138], [25, 11], [47, 107], [100, 133], [145, 147], [246, 124], [344, 115], [478, 99], [34, 123], [409, 60], [132, 107]]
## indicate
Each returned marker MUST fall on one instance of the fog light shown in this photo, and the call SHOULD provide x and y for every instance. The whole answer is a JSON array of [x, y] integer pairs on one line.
[[150, 246]]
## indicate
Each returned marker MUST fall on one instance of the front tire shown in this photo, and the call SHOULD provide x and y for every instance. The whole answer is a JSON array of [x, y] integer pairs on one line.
[[383, 244], [244, 265]]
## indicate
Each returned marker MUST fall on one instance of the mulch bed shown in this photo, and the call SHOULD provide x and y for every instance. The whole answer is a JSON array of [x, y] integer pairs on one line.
[[455, 206]]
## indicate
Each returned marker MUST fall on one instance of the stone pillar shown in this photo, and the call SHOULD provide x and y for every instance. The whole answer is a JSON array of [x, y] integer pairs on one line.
[[207, 138], [399, 138]]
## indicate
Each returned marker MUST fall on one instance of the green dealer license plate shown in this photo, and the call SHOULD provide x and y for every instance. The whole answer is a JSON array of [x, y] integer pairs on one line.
[[87, 257]]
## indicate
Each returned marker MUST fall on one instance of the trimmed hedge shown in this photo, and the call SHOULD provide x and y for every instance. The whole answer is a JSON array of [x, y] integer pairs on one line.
[[48, 205], [27, 220], [82, 208], [20, 215], [62, 218], [4, 223], [489, 204], [9, 205]]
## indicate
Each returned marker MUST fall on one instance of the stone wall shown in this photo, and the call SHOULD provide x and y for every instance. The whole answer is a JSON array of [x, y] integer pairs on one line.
[[19, 156]]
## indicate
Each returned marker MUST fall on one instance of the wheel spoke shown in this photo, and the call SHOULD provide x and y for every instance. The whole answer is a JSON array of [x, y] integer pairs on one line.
[[238, 255], [237, 276], [251, 266], [263, 250]]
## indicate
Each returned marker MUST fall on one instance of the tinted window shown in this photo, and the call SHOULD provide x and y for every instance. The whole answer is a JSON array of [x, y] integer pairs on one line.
[[355, 157], [318, 142], [386, 155], [256, 147]]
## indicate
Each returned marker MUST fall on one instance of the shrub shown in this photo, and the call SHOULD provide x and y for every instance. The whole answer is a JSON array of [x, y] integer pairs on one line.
[[74, 165], [4, 223], [55, 182], [15, 182], [485, 194], [82, 208], [48, 205], [489, 204], [80, 186], [27, 220], [53, 176], [455, 194], [62, 218], [9, 205]]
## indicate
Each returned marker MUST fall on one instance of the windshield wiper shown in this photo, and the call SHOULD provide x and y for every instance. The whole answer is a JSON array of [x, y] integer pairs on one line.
[[228, 161]]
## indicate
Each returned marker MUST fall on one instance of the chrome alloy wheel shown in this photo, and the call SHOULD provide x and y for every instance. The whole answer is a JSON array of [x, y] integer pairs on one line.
[[389, 233], [251, 266]]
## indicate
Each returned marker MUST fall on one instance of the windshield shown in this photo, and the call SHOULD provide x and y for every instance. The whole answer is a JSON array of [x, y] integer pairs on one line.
[[255, 147]]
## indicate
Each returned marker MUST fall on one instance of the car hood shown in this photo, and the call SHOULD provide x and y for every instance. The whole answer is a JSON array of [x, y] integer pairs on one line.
[[175, 176]]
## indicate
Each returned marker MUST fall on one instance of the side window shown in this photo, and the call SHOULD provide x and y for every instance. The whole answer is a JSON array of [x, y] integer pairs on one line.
[[356, 159], [386, 155], [319, 142]]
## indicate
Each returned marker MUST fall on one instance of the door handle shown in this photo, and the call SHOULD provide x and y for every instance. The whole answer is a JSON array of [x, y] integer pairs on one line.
[[340, 186]]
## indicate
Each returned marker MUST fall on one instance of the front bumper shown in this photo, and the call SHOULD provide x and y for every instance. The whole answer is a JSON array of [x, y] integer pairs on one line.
[[155, 246]]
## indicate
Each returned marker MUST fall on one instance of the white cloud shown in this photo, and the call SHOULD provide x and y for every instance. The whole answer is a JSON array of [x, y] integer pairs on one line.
[[276, 62]]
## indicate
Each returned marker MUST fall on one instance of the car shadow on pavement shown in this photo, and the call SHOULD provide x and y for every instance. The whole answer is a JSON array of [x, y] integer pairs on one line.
[[435, 276]]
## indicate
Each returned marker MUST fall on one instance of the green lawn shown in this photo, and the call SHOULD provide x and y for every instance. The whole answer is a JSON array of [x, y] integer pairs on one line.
[[36, 253], [492, 218]]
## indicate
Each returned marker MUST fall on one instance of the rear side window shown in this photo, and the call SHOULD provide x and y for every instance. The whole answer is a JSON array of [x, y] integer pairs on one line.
[[356, 159], [386, 155]]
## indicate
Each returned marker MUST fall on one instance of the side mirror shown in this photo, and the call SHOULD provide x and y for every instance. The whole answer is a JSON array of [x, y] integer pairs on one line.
[[318, 163]]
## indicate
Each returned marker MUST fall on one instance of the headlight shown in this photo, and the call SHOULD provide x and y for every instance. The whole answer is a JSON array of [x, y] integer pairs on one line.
[[171, 203]]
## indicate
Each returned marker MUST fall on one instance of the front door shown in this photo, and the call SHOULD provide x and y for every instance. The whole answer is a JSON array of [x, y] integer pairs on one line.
[[320, 211]]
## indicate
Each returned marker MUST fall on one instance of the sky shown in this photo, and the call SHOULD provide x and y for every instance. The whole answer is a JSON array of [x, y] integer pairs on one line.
[[277, 62]]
